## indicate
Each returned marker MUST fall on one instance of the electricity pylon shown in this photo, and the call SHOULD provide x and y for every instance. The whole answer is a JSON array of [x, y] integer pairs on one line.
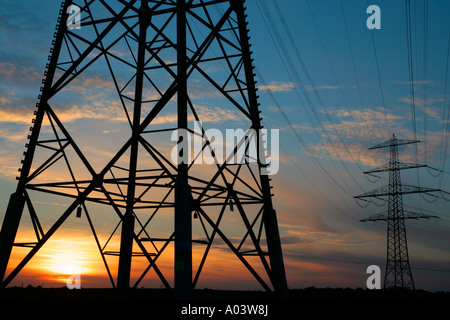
[[159, 59], [398, 271]]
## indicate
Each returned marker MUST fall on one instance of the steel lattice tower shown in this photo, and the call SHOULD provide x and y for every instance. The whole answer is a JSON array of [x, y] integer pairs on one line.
[[154, 54], [398, 271]]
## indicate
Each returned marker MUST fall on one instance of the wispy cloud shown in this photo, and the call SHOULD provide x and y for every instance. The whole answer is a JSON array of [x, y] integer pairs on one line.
[[216, 114], [323, 87], [9, 164], [279, 86], [357, 125], [418, 101], [15, 109], [276, 86], [353, 132], [416, 82], [15, 72], [366, 114], [351, 153]]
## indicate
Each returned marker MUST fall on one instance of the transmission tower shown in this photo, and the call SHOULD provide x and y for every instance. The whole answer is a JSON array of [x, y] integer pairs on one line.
[[398, 271], [159, 59]]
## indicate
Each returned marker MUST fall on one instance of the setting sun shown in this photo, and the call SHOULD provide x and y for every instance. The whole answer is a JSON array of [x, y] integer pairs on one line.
[[62, 258]]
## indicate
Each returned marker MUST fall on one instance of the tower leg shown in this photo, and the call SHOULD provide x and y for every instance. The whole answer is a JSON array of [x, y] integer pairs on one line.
[[183, 242], [276, 255], [126, 251], [17, 200], [278, 274], [9, 230], [126, 247], [183, 210]]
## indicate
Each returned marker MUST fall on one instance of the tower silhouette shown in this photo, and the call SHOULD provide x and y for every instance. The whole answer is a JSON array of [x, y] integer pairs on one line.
[[160, 59], [398, 270]]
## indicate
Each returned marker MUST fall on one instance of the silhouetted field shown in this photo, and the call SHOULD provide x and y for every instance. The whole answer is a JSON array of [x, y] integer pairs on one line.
[[158, 304], [38, 293]]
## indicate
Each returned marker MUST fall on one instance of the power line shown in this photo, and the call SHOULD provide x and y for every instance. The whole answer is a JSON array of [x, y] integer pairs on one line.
[[445, 120], [322, 169], [353, 61], [277, 39], [379, 80], [339, 88], [305, 69], [411, 76], [291, 126], [330, 65], [425, 77]]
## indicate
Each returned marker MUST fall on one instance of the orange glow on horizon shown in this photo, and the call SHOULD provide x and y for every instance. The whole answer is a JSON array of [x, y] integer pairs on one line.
[[71, 254]]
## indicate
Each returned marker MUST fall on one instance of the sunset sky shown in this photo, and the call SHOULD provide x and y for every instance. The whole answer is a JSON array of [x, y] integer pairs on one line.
[[331, 86]]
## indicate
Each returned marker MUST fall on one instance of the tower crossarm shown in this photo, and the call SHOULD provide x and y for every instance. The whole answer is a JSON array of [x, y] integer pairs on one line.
[[399, 166], [383, 216], [393, 142], [404, 189]]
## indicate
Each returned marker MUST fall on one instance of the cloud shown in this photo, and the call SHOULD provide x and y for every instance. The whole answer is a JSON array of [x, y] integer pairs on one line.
[[354, 131], [366, 114], [419, 102], [91, 83], [18, 73], [216, 114], [19, 111], [13, 135], [348, 153], [303, 214], [287, 240], [9, 163], [277, 86], [15, 115], [324, 87], [15, 109], [417, 82]]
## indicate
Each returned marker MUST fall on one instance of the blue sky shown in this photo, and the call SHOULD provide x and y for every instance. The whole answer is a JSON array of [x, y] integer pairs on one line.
[[341, 87]]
